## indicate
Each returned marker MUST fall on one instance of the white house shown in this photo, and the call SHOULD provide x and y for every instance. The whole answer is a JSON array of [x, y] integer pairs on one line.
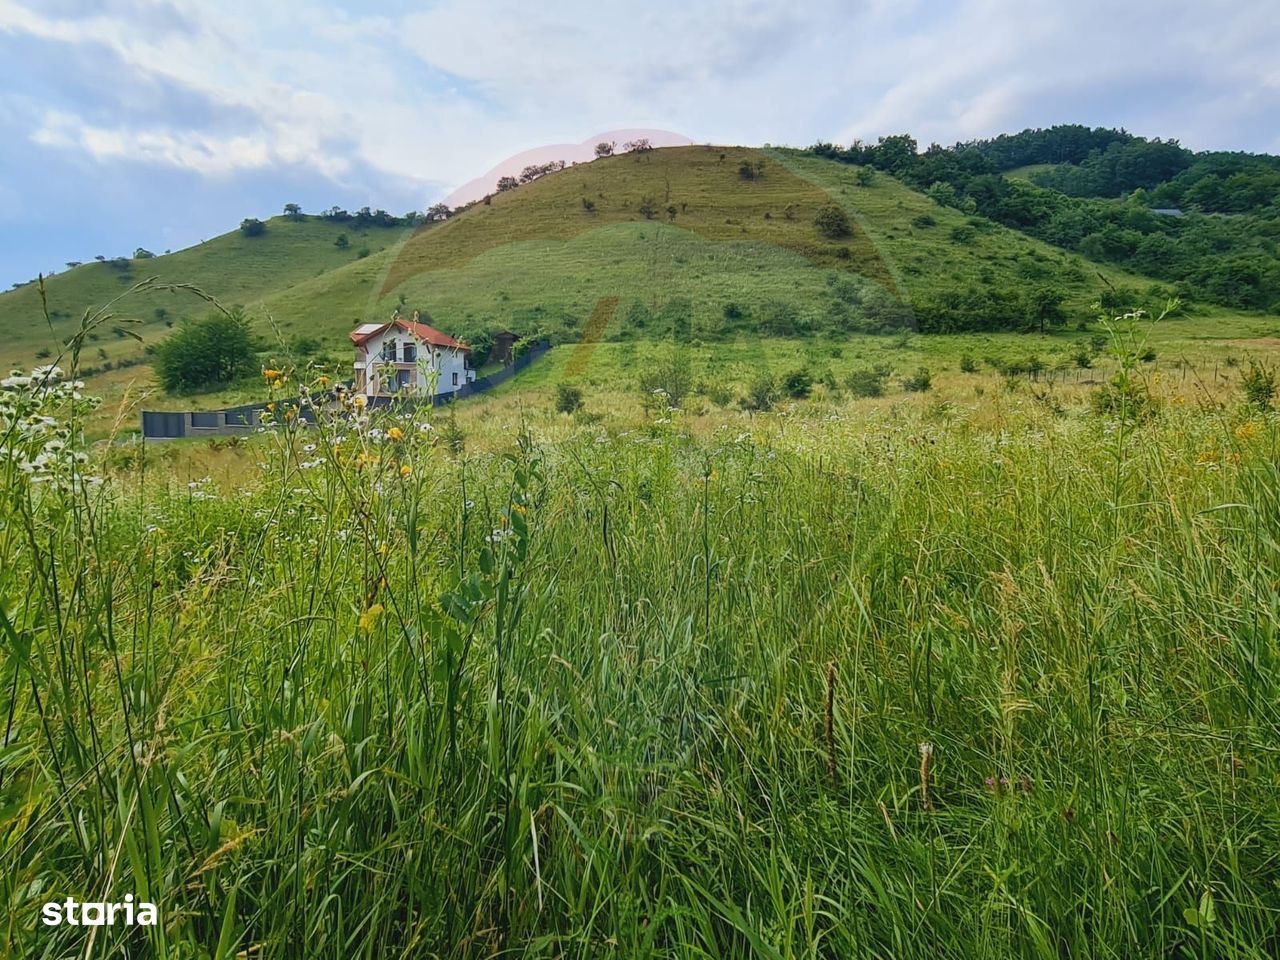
[[402, 356]]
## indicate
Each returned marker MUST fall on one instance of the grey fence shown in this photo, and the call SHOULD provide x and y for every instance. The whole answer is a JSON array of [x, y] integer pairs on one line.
[[166, 425]]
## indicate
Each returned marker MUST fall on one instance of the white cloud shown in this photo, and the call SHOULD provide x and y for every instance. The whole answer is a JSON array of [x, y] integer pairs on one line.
[[430, 98], [188, 150]]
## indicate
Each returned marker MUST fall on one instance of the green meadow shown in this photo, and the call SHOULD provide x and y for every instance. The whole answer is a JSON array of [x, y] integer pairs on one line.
[[748, 621], [978, 671]]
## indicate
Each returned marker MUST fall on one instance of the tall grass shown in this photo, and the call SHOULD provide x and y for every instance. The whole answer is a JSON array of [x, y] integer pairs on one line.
[[648, 694]]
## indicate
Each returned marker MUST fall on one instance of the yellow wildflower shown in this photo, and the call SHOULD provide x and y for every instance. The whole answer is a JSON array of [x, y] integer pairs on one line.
[[1247, 430], [270, 374], [370, 617], [405, 470], [322, 381], [358, 400], [384, 548], [395, 433]]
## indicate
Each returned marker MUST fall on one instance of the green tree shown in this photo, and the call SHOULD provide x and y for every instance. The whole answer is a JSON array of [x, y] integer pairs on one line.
[[1044, 306], [205, 353], [293, 211], [252, 227]]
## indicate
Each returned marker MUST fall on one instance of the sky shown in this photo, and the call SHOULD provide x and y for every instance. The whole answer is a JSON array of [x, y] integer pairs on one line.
[[159, 123]]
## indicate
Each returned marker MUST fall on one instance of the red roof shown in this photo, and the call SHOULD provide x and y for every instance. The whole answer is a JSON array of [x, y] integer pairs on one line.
[[421, 331]]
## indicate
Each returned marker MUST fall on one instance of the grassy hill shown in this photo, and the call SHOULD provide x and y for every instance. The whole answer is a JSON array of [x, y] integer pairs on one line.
[[538, 256], [232, 267], [699, 242]]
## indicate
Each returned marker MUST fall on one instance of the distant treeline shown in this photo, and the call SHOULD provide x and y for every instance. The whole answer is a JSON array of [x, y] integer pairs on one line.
[[1101, 198]]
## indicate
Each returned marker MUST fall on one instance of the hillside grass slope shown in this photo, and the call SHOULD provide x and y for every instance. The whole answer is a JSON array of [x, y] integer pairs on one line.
[[233, 268]]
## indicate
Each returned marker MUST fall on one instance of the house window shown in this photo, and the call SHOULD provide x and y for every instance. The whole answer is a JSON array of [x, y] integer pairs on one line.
[[455, 378], [388, 350], [410, 351]]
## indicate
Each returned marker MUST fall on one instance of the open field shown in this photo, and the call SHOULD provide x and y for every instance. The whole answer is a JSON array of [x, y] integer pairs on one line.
[[1188, 348], [973, 672], [750, 620]]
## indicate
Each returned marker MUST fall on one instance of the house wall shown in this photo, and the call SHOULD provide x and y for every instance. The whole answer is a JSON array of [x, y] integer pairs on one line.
[[369, 365]]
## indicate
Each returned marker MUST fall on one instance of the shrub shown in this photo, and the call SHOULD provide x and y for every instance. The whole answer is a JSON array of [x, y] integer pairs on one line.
[[832, 222], [342, 242], [865, 383], [1083, 358], [667, 382], [717, 393], [205, 353], [968, 364], [762, 393], [918, 382], [568, 398], [780, 318], [305, 346], [963, 234], [451, 434], [797, 384], [252, 227], [924, 220], [1259, 386]]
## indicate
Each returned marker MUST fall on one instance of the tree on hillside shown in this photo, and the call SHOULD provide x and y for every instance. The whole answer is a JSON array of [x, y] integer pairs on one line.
[[604, 149], [832, 222], [439, 211], [639, 145], [252, 227], [536, 170], [342, 242], [1044, 306], [507, 183], [293, 211], [141, 253], [206, 353]]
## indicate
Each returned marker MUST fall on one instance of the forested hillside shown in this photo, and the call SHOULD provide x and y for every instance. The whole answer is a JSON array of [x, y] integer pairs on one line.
[[1150, 206]]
